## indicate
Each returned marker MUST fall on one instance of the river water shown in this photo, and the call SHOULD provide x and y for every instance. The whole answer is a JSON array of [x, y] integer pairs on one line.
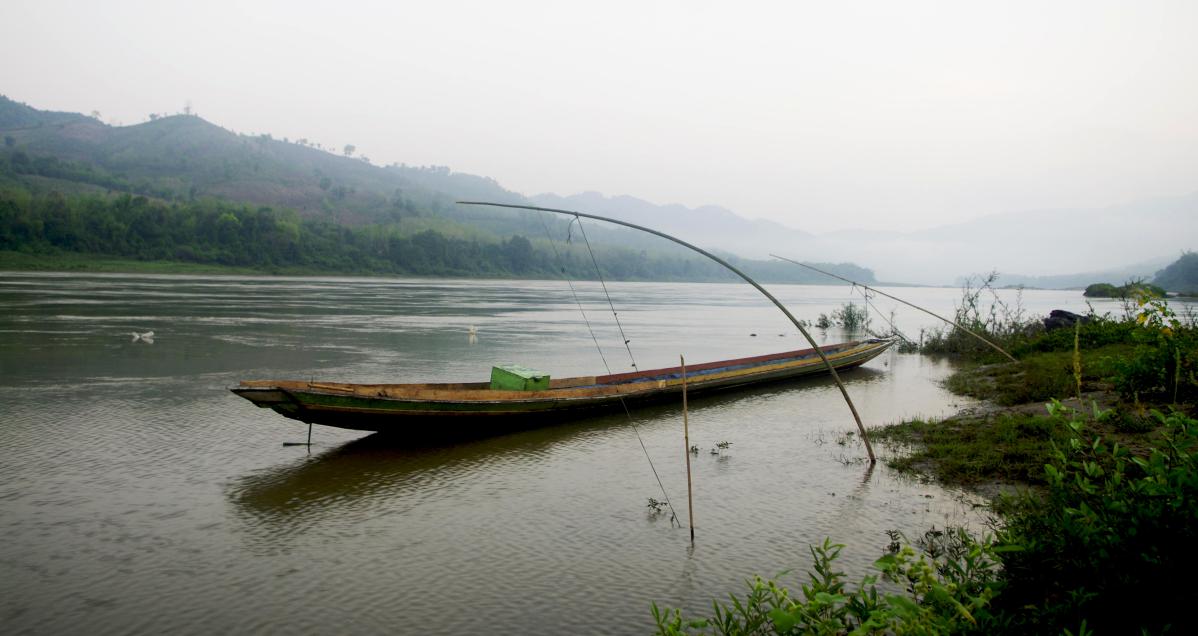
[[137, 495]]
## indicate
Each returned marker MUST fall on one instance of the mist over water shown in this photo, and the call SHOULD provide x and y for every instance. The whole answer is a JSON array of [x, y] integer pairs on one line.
[[137, 495]]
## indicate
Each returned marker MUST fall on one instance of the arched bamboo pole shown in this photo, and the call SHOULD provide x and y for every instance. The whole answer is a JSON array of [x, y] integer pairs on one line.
[[831, 370], [951, 322]]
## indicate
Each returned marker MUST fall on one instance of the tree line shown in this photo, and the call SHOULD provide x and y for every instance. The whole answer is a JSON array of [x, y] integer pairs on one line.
[[210, 231]]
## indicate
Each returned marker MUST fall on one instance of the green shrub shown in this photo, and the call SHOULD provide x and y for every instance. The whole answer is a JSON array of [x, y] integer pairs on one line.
[[1130, 290], [983, 312], [852, 318], [948, 585], [1112, 539], [1164, 364], [1096, 332]]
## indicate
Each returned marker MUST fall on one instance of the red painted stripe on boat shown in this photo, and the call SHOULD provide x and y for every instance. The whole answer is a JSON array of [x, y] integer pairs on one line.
[[617, 378]]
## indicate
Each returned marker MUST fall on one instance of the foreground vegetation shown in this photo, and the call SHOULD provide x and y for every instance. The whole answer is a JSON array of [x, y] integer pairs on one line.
[[1098, 539], [1104, 547]]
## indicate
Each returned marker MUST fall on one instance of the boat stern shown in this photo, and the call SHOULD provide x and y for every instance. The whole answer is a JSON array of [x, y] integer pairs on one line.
[[268, 395]]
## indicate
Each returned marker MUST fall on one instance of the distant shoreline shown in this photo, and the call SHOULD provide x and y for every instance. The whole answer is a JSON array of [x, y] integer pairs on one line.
[[66, 262]]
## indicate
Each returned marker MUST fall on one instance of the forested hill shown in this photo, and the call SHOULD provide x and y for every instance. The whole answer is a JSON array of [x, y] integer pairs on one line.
[[183, 157], [1181, 275], [180, 188]]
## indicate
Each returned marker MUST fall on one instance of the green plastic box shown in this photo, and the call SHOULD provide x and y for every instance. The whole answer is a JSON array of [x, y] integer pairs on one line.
[[513, 377]]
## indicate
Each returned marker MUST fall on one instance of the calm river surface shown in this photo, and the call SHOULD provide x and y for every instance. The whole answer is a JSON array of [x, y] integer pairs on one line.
[[137, 495]]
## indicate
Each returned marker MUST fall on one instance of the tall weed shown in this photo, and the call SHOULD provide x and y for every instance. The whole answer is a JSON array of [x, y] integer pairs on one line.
[[983, 311], [850, 317]]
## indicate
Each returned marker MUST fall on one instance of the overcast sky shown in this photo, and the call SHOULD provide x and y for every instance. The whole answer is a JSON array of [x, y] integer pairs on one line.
[[820, 115]]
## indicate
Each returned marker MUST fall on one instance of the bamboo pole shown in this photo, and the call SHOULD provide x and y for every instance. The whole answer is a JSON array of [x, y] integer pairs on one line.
[[795, 321], [308, 443], [951, 322], [686, 444]]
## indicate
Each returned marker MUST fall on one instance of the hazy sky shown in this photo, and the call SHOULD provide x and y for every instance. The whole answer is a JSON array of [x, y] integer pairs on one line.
[[820, 115]]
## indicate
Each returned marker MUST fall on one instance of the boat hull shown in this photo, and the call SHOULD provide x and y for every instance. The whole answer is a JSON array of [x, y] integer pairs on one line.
[[434, 410]]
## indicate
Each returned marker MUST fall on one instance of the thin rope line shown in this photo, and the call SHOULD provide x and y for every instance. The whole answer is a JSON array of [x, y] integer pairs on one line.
[[865, 295], [573, 292], [604, 285], [623, 403]]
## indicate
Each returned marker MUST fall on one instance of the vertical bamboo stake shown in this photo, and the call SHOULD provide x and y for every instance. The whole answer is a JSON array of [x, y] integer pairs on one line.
[[686, 442]]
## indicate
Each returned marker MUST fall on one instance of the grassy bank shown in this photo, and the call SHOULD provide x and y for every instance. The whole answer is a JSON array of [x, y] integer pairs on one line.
[[1099, 539], [1115, 370]]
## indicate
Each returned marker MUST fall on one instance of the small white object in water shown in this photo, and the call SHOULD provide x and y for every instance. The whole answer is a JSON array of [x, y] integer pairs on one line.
[[473, 334], [147, 337]]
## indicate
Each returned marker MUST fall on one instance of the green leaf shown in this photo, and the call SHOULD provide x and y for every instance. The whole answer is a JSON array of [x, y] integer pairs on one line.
[[886, 563], [902, 605], [783, 621], [829, 599]]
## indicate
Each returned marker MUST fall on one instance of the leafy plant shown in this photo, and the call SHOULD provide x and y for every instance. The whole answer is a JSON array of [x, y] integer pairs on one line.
[[1109, 538], [1129, 290], [946, 589], [850, 317], [983, 311], [1165, 361]]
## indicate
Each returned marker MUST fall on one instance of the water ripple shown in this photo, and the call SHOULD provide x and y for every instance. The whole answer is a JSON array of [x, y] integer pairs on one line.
[[137, 495]]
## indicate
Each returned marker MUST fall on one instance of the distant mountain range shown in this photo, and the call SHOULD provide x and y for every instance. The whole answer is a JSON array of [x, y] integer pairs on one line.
[[709, 225], [1073, 247], [184, 158], [1112, 244], [1118, 276]]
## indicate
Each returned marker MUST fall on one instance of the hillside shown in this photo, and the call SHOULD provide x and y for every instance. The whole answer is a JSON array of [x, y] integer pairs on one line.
[[194, 171], [1181, 275], [184, 157]]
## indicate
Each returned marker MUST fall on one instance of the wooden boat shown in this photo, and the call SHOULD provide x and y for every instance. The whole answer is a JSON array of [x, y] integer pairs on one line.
[[417, 409]]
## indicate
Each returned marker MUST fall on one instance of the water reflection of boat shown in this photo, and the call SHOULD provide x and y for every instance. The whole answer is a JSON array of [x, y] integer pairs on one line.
[[383, 468], [376, 469], [479, 408]]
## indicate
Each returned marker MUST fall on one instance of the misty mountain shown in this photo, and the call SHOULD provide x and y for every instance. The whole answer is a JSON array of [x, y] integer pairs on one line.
[[185, 161], [1118, 276], [1070, 243], [1044, 248], [1180, 275], [185, 158], [706, 226]]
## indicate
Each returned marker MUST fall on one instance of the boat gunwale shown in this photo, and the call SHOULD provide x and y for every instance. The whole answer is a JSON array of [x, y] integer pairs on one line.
[[738, 371], [719, 364]]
